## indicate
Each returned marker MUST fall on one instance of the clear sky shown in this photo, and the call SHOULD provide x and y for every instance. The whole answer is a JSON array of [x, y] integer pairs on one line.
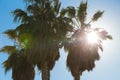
[[108, 66]]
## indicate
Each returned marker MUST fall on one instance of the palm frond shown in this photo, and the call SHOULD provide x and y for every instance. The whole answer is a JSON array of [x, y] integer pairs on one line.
[[71, 11], [100, 47], [82, 12], [97, 15], [23, 28], [57, 6], [20, 16], [11, 33], [109, 37], [104, 35], [8, 49], [8, 64], [63, 12], [31, 8]]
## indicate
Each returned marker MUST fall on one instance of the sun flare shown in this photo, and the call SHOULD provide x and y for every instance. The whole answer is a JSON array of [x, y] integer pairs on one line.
[[92, 37]]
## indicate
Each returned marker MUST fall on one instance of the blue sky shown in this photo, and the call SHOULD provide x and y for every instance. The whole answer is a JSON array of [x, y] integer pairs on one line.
[[108, 66]]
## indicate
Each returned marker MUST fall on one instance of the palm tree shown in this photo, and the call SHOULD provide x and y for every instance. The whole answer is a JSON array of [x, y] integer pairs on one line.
[[51, 29], [41, 32], [81, 54], [21, 68]]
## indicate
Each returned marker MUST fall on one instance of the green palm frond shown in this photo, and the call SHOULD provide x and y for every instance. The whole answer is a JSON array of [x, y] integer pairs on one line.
[[71, 11], [11, 33], [57, 6], [20, 16], [8, 49], [82, 12], [63, 12], [97, 15], [34, 10], [23, 28]]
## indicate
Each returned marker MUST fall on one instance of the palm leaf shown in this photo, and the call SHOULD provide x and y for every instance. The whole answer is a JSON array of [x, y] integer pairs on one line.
[[71, 11], [20, 15], [82, 12], [100, 47], [8, 49], [104, 35], [63, 12], [11, 33], [57, 5], [109, 37], [8, 64], [97, 15]]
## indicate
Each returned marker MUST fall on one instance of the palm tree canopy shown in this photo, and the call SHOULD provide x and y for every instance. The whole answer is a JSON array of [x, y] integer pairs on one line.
[[81, 54], [42, 30]]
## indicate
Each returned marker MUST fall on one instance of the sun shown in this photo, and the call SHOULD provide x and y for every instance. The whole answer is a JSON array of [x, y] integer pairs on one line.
[[92, 37]]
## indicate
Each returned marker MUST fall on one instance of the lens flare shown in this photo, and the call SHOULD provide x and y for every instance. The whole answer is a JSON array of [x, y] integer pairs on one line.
[[92, 37]]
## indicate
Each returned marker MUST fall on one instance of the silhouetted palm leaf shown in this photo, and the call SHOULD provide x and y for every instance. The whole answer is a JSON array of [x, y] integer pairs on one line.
[[20, 15], [81, 14], [11, 33], [8, 49], [97, 15], [71, 11]]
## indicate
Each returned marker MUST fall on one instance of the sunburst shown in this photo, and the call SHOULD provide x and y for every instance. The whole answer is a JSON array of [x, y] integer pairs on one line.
[[92, 37]]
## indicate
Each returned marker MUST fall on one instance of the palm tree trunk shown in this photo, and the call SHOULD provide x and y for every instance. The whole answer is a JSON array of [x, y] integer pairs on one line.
[[45, 72], [77, 78]]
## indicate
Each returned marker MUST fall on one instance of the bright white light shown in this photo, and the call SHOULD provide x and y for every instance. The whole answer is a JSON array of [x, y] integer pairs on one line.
[[92, 37]]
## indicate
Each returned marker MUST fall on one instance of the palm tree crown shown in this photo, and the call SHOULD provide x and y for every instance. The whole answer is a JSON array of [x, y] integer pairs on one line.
[[81, 54]]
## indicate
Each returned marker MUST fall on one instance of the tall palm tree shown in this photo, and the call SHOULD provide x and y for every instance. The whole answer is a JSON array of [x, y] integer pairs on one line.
[[41, 32], [81, 54]]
